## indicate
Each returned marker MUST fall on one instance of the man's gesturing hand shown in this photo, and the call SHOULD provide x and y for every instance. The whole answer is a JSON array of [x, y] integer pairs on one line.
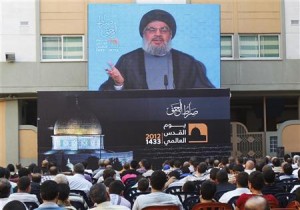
[[115, 74]]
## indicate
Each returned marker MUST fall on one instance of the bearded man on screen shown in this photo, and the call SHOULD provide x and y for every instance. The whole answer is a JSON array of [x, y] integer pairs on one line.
[[156, 65]]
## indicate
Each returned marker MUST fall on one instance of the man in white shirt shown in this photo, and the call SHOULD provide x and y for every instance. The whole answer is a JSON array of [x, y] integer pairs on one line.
[[23, 193], [100, 197], [4, 192], [157, 197], [116, 189], [241, 187], [77, 181]]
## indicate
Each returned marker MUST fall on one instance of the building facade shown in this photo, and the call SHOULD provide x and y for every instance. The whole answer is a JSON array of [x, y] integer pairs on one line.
[[43, 47]]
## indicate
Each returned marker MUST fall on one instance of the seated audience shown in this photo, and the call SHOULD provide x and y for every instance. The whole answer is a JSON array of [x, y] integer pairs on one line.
[[53, 171], [287, 172], [249, 166], [5, 187], [222, 181], [189, 187], [256, 203], [49, 195], [255, 183], [63, 197], [270, 186], [143, 185], [207, 191], [157, 196], [23, 193], [241, 187], [15, 205], [100, 197], [78, 181], [116, 189]]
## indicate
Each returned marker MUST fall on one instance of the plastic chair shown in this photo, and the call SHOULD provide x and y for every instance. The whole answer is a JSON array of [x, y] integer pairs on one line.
[[167, 207], [78, 205], [190, 202], [285, 198], [219, 194], [232, 201], [212, 206], [173, 190], [84, 196], [31, 205], [292, 204]]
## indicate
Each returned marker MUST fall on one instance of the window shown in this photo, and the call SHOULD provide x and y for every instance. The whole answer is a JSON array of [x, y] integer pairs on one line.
[[259, 46], [62, 48], [226, 46]]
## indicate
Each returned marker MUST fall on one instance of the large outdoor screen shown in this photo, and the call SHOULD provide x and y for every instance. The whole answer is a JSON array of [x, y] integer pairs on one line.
[[114, 30]]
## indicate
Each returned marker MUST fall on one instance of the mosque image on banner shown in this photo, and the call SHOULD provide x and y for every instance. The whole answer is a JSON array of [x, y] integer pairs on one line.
[[77, 136]]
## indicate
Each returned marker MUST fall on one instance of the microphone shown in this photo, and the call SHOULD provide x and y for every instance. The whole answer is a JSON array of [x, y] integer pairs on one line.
[[166, 81]]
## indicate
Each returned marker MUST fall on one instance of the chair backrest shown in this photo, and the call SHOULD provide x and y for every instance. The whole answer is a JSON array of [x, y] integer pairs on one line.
[[174, 189], [31, 205], [212, 206], [219, 194], [232, 201], [287, 184], [292, 204], [285, 198], [189, 202], [84, 196], [167, 207], [78, 205]]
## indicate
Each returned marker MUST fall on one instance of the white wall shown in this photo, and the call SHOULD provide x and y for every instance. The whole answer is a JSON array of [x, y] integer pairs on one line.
[[18, 29], [292, 12]]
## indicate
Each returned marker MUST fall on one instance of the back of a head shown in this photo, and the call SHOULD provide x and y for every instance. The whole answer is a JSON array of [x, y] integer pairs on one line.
[[276, 162], [202, 167], [109, 172], [222, 176], [134, 164], [61, 179], [256, 179], [242, 179], [147, 165], [98, 193], [36, 177], [208, 190], [287, 169], [23, 183], [213, 173], [108, 181], [49, 190], [249, 165], [175, 174], [79, 168], [23, 172], [53, 170], [10, 167], [189, 187], [143, 185], [14, 205], [158, 180], [126, 166], [177, 164], [269, 176], [4, 188], [116, 187], [256, 203], [63, 191]]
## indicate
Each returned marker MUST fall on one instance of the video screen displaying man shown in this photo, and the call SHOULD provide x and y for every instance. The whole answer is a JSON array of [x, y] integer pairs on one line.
[[156, 65]]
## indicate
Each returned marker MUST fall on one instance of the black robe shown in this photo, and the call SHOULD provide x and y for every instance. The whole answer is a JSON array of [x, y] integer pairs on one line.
[[187, 72]]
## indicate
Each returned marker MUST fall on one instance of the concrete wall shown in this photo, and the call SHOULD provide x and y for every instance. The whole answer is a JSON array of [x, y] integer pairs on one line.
[[292, 28], [289, 136]]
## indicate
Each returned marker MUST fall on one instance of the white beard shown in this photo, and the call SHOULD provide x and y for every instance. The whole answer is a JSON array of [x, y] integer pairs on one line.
[[156, 50]]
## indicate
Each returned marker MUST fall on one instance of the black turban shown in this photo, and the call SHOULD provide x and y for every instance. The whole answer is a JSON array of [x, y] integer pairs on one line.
[[158, 15]]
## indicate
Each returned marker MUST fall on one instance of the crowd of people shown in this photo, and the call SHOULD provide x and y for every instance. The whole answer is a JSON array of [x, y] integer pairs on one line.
[[244, 183]]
